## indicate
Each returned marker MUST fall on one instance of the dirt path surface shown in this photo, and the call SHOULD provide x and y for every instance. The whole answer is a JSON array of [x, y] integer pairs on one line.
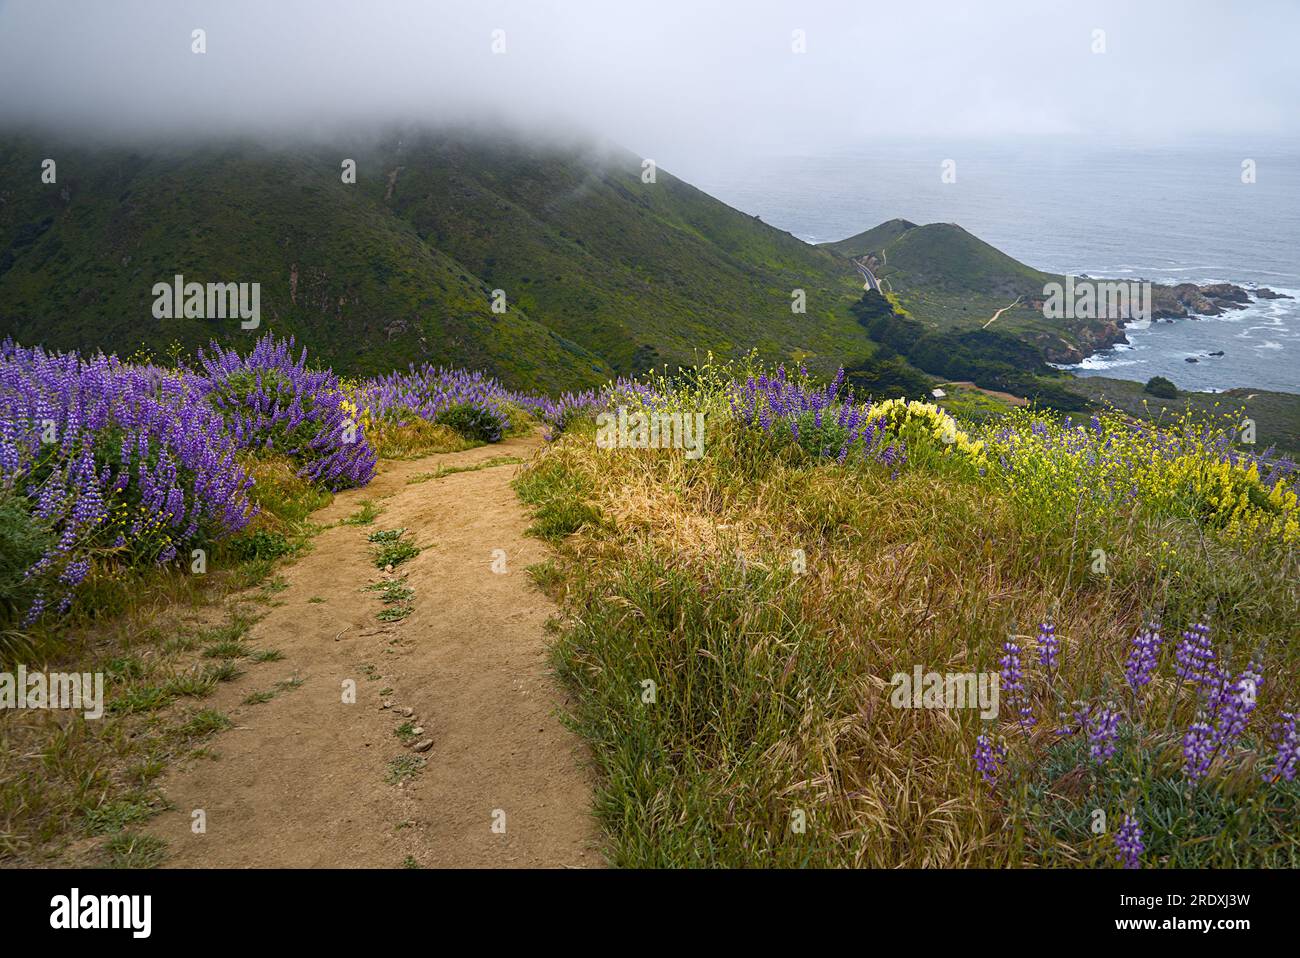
[[307, 780]]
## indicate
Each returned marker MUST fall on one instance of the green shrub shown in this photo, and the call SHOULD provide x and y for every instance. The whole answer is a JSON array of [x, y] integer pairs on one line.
[[472, 422], [1159, 386], [261, 544]]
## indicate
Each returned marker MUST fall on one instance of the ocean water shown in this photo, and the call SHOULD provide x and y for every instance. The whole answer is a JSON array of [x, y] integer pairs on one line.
[[1165, 214]]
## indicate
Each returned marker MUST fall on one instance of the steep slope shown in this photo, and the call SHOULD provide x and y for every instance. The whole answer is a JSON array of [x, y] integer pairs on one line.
[[637, 272], [601, 272], [338, 272]]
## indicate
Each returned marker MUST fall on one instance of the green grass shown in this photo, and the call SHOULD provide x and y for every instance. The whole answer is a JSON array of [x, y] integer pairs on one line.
[[442, 471], [390, 549], [771, 702], [403, 769], [131, 850], [113, 816], [391, 591], [366, 514], [205, 722]]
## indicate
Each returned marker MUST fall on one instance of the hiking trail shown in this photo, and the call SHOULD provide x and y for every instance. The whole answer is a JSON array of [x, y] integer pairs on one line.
[[305, 780]]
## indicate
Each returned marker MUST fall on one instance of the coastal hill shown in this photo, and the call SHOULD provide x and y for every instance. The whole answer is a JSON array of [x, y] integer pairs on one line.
[[602, 272], [949, 279]]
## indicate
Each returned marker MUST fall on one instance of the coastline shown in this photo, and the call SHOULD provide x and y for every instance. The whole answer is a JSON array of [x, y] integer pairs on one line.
[[1233, 323]]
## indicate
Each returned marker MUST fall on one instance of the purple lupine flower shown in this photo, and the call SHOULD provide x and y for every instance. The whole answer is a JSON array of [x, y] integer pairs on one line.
[[138, 460], [1286, 739], [271, 400], [1103, 729], [1143, 657], [1128, 842], [1049, 646], [1195, 656], [1236, 702], [1199, 748], [1011, 680], [780, 401], [989, 758]]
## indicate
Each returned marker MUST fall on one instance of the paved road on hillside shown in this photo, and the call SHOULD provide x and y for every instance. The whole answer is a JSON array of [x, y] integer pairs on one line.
[[870, 277]]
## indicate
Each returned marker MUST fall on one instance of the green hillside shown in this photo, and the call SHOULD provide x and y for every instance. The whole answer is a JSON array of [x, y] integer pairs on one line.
[[602, 273], [946, 259], [948, 279]]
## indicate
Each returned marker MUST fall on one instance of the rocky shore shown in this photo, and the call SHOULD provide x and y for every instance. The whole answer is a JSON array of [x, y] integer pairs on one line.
[[1187, 300]]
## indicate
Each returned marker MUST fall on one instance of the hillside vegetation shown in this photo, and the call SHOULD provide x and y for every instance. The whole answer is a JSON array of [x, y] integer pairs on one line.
[[736, 626], [602, 273], [948, 279]]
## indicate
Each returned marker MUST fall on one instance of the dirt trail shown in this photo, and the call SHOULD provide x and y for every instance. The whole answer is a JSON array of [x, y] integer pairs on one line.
[[301, 779]]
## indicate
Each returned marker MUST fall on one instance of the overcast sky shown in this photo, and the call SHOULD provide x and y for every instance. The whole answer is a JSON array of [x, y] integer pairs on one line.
[[681, 81]]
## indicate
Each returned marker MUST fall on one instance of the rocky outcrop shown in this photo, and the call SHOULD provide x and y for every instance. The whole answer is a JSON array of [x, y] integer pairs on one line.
[[1092, 336], [1188, 299], [1265, 293]]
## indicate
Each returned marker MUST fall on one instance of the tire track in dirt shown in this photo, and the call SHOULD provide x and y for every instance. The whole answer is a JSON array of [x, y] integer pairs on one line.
[[301, 779]]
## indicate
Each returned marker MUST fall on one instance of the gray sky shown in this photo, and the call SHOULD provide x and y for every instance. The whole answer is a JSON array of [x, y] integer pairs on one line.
[[680, 81]]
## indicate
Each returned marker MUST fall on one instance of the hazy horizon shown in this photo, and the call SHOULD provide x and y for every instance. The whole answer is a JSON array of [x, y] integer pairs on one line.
[[686, 84]]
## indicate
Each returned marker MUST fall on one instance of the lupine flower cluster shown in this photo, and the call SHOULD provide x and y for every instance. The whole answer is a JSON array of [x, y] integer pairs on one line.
[[1128, 842], [271, 401], [989, 757], [816, 419], [1102, 728], [428, 392], [1286, 739], [1143, 657], [1011, 681], [1225, 703], [1199, 748], [1195, 657], [1049, 646], [116, 460], [559, 414]]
